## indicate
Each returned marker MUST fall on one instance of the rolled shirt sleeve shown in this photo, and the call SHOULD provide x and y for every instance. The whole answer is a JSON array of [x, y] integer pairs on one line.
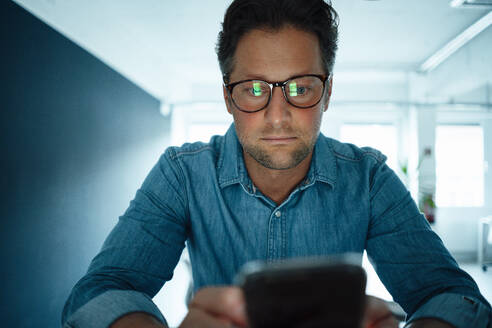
[[413, 263], [459, 310], [138, 256], [103, 310]]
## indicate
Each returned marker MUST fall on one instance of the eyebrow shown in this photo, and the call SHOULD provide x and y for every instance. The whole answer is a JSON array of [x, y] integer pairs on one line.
[[264, 78], [255, 77]]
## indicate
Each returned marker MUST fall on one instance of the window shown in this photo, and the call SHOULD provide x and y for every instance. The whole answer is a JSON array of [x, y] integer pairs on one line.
[[382, 137], [459, 166]]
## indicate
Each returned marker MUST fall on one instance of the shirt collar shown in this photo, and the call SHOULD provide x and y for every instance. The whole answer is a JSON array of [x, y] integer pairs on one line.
[[231, 167]]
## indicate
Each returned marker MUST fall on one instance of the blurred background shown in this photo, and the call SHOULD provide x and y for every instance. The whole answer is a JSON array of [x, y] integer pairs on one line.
[[94, 91]]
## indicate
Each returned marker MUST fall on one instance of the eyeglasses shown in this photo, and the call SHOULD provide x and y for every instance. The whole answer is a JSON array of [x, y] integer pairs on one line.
[[303, 91]]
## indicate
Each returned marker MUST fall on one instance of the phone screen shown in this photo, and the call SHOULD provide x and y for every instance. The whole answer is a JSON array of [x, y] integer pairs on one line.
[[304, 293]]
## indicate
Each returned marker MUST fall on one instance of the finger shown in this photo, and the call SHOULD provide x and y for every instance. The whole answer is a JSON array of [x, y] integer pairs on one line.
[[386, 322], [197, 318], [222, 302], [377, 314]]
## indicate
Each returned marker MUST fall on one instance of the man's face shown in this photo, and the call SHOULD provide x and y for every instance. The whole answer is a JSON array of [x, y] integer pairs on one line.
[[281, 136]]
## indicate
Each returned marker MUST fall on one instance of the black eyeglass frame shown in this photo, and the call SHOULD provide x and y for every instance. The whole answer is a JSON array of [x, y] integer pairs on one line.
[[282, 84]]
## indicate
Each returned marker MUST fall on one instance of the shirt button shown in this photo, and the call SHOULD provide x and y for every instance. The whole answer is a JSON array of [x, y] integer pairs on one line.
[[278, 214]]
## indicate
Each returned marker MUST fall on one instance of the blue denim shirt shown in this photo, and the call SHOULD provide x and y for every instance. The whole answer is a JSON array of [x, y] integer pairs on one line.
[[200, 195]]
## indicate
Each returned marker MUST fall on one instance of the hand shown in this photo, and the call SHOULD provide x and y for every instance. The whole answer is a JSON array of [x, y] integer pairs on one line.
[[216, 307], [378, 314]]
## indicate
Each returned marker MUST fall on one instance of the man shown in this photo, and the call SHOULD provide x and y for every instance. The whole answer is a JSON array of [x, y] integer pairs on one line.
[[271, 188]]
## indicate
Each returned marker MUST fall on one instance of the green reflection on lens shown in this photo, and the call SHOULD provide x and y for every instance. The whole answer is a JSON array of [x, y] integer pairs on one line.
[[257, 88], [293, 89]]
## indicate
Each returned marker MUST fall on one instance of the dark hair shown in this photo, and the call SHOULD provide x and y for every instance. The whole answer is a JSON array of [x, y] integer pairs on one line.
[[314, 16]]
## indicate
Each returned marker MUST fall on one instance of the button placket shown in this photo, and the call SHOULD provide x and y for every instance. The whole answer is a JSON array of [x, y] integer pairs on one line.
[[276, 234]]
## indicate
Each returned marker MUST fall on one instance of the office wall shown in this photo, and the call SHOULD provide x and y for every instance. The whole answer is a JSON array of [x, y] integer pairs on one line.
[[76, 140]]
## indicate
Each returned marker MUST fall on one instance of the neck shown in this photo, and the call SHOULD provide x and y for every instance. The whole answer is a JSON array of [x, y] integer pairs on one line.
[[276, 184]]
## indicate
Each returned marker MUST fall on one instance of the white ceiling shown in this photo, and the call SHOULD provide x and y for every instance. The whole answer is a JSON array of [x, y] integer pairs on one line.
[[162, 44]]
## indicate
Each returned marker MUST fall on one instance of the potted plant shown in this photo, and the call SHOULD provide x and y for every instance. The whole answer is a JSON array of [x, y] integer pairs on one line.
[[426, 193]]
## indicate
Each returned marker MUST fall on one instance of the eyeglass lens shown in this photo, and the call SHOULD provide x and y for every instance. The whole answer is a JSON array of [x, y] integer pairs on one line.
[[301, 92]]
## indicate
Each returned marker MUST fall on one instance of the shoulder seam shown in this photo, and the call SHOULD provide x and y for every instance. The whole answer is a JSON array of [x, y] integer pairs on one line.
[[177, 154], [364, 153], [174, 156], [196, 151]]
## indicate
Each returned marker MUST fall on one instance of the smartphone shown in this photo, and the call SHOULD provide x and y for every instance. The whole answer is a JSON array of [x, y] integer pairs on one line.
[[304, 293]]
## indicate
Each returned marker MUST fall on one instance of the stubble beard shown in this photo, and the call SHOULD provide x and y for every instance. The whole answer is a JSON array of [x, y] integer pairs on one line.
[[267, 158]]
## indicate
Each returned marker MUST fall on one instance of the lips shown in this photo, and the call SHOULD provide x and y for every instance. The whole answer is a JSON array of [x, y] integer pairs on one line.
[[278, 139]]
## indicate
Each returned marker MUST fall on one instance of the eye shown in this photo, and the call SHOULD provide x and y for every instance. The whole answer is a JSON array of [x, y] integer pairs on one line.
[[296, 90], [250, 91], [255, 89]]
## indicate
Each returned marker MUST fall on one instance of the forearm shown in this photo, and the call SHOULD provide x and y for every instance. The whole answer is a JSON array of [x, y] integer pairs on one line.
[[428, 323], [137, 319]]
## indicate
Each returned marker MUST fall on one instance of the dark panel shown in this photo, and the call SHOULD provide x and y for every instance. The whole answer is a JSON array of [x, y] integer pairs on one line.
[[69, 126]]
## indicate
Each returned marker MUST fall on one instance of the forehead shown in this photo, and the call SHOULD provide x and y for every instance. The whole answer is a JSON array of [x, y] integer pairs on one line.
[[277, 55]]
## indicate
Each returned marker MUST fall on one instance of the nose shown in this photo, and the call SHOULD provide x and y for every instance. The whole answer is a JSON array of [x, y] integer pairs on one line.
[[277, 112]]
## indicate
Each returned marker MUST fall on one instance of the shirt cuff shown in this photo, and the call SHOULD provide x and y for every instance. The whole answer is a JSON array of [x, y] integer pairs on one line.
[[458, 310], [104, 309]]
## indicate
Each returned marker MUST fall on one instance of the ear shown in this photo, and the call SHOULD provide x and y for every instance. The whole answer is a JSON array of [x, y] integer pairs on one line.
[[227, 99], [326, 101]]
